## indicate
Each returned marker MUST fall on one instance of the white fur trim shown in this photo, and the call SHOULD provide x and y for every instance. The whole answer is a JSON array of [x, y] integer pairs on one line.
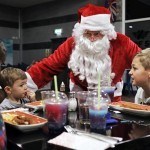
[[96, 19], [118, 91], [96, 22], [30, 83]]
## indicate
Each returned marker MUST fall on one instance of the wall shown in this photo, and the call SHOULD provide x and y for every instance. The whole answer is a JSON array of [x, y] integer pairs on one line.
[[9, 26], [40, 21]]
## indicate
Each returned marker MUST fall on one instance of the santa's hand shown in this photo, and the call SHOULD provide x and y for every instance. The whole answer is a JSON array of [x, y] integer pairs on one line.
[[31, 95], [112, 75]]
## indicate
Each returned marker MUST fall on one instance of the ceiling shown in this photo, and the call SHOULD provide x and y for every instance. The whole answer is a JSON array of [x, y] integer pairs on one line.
[[28, 3], [23, 3]]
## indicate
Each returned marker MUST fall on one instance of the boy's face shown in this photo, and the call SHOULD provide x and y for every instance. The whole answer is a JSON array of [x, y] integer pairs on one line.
[[140, 76], [19, 89]]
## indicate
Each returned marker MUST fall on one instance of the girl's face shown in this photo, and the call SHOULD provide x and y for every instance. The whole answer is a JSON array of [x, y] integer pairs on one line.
[[140, 76], [19, 89]]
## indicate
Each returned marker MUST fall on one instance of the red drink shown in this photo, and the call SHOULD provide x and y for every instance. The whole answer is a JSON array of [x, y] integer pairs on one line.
[[56, 113]]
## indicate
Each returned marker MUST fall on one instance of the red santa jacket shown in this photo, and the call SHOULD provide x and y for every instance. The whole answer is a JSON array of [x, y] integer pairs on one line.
[[122, 51]]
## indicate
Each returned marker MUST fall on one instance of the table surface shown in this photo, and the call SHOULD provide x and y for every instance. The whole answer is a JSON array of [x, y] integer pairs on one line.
[[38, 139]]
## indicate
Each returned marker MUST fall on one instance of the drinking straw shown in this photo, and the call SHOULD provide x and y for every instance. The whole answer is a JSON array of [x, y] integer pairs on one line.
[[99, 88], [56, 87]]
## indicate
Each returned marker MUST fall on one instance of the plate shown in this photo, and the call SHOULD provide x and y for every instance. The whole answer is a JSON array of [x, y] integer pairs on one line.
[[131, 108], [35, 105], [34, 124]]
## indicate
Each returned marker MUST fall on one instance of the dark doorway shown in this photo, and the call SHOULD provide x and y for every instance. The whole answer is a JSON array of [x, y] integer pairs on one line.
[[63, 76]]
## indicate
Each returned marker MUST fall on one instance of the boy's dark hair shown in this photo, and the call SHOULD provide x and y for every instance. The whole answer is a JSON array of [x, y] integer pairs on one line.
[[9, 75]]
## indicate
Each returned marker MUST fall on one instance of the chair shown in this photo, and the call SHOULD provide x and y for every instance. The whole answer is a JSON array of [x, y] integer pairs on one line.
[[127, 86]]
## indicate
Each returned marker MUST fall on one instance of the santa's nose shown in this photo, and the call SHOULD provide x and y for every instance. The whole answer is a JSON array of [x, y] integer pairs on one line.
[[92, 38]]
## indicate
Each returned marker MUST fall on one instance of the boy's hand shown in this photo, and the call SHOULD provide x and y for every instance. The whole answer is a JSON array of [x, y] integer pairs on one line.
[[31, 95]]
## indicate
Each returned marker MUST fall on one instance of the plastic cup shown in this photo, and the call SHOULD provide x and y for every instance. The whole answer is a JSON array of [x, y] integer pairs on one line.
[[83, 106], [56, 110], [46, 94], [109, 90], [97, 112]]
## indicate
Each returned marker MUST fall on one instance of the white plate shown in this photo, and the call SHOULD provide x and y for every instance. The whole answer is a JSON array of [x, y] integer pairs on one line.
[[38, 121], [143, 113], [35, 105]]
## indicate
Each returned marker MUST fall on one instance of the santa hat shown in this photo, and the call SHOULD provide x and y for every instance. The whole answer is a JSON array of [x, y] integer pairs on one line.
[[95, 18]]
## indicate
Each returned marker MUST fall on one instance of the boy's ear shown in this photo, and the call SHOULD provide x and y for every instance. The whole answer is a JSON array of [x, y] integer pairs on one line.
[[149, 74], [7, 89]]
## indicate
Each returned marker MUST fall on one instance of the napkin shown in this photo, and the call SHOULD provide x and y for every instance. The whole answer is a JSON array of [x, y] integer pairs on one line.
[[78, 142]]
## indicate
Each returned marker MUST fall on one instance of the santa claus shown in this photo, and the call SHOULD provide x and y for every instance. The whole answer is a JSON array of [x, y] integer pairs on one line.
[[94, 48]]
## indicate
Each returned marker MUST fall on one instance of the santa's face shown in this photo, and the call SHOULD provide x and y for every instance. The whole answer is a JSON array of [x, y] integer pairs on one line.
[[90, 57], [93, 35]]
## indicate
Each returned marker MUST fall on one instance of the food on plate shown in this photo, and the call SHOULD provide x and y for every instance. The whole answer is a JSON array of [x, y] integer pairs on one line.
[[131, 105], [21, 118], [36, 103]]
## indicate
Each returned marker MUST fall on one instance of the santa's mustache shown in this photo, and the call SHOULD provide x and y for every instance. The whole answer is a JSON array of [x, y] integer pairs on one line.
[[98, 47]]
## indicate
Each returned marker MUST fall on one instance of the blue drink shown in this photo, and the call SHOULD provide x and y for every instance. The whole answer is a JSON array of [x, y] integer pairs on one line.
[[97, 118], [98, 109]]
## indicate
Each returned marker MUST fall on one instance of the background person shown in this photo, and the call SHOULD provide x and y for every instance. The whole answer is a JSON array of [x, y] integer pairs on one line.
[[14, 83], [95, 47], [3, 137], [2, 60], [140, 74], [2, 53]]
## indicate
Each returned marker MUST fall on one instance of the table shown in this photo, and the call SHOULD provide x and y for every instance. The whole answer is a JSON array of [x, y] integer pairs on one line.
[[17, 140]]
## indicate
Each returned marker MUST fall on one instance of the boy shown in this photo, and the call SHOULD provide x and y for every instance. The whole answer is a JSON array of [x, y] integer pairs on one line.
[[14, 83], [140, 74]]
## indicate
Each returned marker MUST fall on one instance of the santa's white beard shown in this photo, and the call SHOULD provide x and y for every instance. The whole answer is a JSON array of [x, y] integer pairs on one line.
[[89, 59]]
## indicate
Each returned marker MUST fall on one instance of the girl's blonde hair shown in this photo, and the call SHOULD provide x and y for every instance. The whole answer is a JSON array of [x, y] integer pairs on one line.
[[144, 57], [9, 75]]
